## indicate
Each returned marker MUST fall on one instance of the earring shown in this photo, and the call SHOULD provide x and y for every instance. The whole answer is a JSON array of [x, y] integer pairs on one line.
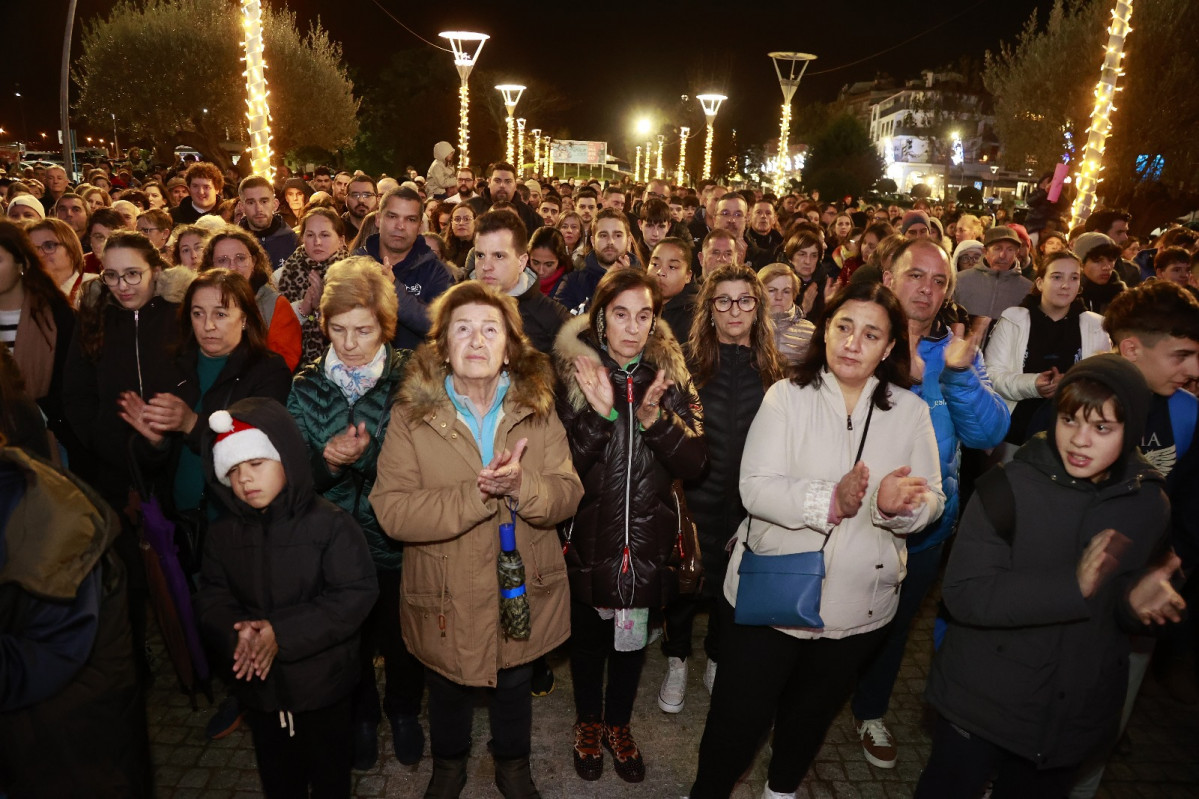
[[713, 322], [599, 324]]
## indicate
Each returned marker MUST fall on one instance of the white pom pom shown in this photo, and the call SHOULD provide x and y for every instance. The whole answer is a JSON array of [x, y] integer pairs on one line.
[[220, 422]]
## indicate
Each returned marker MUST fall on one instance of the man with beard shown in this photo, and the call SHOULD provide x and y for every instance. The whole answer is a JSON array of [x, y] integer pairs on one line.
[[259, 206], [466, 186], [700, 225], [550, 210], [586, 205], [501, 187], [732, 212], [361, 196], [610, 250], [71, 209], [419, 276], [341, 183], [322, 179]]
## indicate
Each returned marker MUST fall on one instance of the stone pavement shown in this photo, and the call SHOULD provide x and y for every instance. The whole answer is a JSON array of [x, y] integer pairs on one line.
[[1164, 761]]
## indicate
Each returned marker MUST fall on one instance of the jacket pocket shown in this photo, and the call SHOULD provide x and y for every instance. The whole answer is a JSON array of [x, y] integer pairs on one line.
[[429, 626]]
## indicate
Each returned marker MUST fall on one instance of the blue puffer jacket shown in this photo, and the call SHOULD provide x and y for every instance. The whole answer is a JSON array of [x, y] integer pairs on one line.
[[965, 410]]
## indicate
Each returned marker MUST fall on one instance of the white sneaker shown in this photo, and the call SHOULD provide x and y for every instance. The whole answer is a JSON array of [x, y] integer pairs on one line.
[[769, 794], [710, 676], [674, 686]]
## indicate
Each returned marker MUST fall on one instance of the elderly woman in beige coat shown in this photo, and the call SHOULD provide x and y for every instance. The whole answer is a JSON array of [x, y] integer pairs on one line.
[[474, 442]]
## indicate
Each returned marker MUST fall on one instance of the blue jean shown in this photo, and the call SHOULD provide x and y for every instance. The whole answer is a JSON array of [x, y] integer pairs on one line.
[[873, 692]]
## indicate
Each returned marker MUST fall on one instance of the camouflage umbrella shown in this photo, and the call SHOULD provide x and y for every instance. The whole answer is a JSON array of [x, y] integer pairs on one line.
[[514, 600]]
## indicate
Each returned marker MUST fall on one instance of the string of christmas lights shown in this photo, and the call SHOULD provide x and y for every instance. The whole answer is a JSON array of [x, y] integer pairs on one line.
[[258, 113]]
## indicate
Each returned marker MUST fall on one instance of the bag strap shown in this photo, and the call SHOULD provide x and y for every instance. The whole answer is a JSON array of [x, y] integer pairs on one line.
[[994, 490]]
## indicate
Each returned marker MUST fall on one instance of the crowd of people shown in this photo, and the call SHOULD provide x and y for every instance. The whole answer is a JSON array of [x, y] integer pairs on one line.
[[360, 400]]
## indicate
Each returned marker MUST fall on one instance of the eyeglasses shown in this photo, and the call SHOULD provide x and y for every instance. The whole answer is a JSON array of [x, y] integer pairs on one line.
[[655, 195], [145, 230], [49, 247], [241, 259], [130, 278], [724, 302], [363, 195]]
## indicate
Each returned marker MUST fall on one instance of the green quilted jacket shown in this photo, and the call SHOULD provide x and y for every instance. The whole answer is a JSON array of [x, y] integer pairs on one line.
[[322, 411]]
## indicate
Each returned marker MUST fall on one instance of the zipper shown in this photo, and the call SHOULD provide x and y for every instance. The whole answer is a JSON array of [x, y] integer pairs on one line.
[[137, 353], [848, 422], [628, 488]]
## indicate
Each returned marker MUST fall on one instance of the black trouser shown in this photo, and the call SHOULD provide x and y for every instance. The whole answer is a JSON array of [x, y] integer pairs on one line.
[[317, 757], [679, 621], [767, 676], [452, 710], [591, 649], [405, 674], [961, 764]]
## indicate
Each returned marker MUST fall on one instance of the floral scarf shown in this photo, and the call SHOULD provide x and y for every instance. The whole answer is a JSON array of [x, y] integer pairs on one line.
[[354, 381], [293, 284]]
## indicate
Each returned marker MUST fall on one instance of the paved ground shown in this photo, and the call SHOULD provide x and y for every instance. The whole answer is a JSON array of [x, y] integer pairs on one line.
[[1164, 761]]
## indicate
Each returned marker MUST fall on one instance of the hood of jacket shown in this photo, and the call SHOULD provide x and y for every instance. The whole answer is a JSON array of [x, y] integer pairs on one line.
[[662, 351], [423, 389], [269, 416], [442, 150]]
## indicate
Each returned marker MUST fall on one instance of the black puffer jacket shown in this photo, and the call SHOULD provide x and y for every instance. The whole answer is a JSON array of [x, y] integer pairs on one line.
[[627, 472], [1028, 663], [731, 399], [301, 563], [137, 355]]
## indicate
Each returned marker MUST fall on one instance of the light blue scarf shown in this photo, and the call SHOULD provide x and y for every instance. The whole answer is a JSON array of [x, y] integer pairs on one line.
[[482, 426]]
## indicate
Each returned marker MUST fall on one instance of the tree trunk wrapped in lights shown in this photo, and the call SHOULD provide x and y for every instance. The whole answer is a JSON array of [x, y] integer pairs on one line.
[[1101, 126], [258, 113]]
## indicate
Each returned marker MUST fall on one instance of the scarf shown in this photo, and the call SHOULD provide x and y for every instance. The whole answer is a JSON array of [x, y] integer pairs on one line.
[[354, 381], [293, 284], [482, 425], [548, 283], [37, 335]]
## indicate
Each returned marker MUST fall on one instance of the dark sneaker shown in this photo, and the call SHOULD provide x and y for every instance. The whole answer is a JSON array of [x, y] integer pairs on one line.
[[626, 757], [543, 678], [366, 745], [877, 744], [226, 719], [407, 739], [588, 755]]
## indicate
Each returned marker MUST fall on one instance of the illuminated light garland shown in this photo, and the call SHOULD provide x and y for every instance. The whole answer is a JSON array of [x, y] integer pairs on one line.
[[1087, 178], [511, 93], [520, 146], [549, 157], [659, 172], [464, 62], [637, 169], [649, 154], [258, 113], [684, 132], [536, 132], [711, 104], [780, 173]]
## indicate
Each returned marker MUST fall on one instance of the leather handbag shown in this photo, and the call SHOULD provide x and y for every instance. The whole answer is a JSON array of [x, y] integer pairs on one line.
[[784, 590], [691, 562]]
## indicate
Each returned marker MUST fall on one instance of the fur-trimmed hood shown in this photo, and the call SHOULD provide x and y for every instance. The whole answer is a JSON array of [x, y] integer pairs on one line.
[[423, 389], [662, 351]]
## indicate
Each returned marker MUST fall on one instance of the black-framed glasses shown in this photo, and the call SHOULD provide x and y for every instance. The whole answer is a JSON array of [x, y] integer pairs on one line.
[[745, 302], [130, 278]]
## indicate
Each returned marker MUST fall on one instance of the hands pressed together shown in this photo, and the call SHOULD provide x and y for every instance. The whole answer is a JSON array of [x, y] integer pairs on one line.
[[256, 649], [502, 477], [164, 413]]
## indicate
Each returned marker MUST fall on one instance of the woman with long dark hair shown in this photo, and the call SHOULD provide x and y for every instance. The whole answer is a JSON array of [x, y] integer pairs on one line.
[[805, 491], [733, 360]]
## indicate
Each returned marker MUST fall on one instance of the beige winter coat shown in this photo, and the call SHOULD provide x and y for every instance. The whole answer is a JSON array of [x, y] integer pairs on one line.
[[426, 495]]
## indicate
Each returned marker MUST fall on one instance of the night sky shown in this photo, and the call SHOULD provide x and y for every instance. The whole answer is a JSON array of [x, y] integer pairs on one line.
[[615, 60]]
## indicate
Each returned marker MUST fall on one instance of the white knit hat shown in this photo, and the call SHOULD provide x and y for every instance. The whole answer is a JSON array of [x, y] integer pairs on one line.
[[29, 201], [237, 442]]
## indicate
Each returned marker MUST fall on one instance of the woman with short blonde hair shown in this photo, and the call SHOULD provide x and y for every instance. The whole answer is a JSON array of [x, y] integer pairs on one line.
[[359, 282]]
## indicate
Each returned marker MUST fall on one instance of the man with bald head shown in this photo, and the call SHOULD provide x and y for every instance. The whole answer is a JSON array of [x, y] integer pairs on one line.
[[948, 373]]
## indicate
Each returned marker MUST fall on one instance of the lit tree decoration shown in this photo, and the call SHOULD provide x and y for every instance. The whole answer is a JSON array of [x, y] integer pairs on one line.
[[788, 83], [659, 173], [549, 157], [464, 62], [258, 114], [711, 104], [684, 132], [1101, 126], [649, 154], [637, 169], [536, 150]]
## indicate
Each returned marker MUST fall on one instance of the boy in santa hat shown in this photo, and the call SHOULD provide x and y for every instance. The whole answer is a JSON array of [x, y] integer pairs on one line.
[[286, 582]]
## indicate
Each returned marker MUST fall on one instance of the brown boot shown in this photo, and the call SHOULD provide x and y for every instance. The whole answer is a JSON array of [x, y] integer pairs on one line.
[[626, 757], [588, 754], [449, 778]]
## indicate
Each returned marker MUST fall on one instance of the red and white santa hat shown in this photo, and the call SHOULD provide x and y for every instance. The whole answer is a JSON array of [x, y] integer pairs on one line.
[[236, 443]]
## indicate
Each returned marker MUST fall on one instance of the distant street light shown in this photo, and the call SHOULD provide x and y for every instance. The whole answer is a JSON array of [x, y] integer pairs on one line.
[[511, 93], [711, 104]]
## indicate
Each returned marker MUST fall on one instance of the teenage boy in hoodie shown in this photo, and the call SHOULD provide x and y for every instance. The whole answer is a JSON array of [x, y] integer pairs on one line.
[[1031, 678], [286, 583], [260, 207]]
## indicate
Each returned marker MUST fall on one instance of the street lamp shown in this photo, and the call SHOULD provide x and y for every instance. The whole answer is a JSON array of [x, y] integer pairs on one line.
[[711, 104], [464, 62], [788, 83], [994, 171], [511, 93]]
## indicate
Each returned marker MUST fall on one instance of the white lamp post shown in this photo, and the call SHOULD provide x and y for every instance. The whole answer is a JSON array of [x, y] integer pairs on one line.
[[464, 62], [711, 104], [795, 64]]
